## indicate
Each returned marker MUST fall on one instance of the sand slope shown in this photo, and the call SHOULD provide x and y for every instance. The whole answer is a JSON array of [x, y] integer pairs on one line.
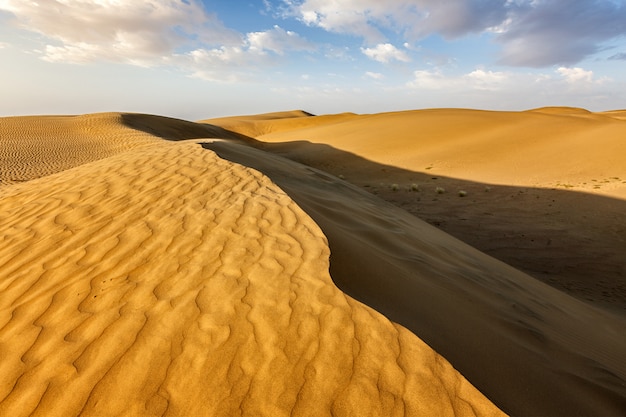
[[545, 189], [531, 349], [155, 278], [541, 147], [35, 146], [545, 192]]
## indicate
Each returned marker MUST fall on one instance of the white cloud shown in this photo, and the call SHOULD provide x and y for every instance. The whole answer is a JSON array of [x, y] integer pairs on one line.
[[374, 75], [476, 80], [225, 64], [486, 80], [385, 52], [118, 30], [576, 75], [278, 40], [430, 80], [532, 33], [179, 33], [238, 62], [3, 45], [415, 18], [514, 89], [347, 17]]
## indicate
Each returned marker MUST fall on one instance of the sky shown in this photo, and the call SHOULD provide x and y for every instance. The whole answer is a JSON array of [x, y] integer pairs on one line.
[[196, 59]]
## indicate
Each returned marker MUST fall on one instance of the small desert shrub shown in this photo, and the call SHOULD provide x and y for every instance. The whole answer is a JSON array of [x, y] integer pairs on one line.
[[440, 190], [415, 187], [395, 187], [462, 193], [341, 177], [487, 189]]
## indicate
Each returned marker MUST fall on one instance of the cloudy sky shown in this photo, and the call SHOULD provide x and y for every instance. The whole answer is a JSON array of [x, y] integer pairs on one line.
[[203, 58]]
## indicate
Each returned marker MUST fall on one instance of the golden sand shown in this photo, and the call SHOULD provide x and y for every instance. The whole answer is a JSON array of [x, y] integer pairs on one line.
[[545, 189], [154, 266], [547, 147], [146, 277], [542, 190]]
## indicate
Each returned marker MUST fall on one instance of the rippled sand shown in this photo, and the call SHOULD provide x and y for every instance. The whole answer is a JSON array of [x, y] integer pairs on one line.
[[141, 276]]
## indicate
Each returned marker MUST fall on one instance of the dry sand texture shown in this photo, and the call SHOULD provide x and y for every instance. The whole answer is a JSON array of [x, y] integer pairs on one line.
[[533, 350], [545, 190], [31, 147], [155, 278], [549, 147]]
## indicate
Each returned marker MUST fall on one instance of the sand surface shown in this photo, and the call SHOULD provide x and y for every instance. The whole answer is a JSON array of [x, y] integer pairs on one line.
[[190, 268], [545, 189], [141, 276]]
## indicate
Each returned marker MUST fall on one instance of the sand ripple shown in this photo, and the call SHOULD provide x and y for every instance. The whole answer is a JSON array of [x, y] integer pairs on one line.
[[163, 280], [35, 146]]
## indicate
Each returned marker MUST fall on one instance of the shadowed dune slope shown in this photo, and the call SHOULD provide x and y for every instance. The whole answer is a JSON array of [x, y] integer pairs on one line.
[[544, 190], [163, 280], [531, 349]]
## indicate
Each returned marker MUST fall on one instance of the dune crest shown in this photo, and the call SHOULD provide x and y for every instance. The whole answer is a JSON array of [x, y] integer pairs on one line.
[[163, 280], [547, 147]]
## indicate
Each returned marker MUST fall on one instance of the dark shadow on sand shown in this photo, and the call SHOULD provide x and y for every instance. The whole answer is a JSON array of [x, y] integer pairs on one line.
[[563, 238], [486, 348], [573, 241]]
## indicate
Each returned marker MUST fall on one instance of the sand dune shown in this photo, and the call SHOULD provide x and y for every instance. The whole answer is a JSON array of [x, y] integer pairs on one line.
[[545, 189], [547, 147], [531, 349], [147, 277], [35, 146], [192, 276]]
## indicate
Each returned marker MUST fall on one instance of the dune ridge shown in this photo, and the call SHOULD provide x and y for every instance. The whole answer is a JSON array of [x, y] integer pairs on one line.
[[154, 278], [541, 147], [531, 349], [545, 189]]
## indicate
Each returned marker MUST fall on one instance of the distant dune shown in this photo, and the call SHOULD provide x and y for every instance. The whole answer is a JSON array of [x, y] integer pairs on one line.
[[154, 266]]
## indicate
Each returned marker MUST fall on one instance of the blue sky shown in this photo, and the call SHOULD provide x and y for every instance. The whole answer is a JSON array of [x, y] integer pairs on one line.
[[197, 59]]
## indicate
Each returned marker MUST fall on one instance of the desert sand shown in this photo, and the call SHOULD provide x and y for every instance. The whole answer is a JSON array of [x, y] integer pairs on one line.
[[545, 189], [155, 278], [153, 266]]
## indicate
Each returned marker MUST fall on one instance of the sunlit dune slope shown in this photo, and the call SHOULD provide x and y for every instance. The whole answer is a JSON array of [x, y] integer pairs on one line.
[[262, 124], [35, 146], [155, 278], [616, 114], [541, 147]]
